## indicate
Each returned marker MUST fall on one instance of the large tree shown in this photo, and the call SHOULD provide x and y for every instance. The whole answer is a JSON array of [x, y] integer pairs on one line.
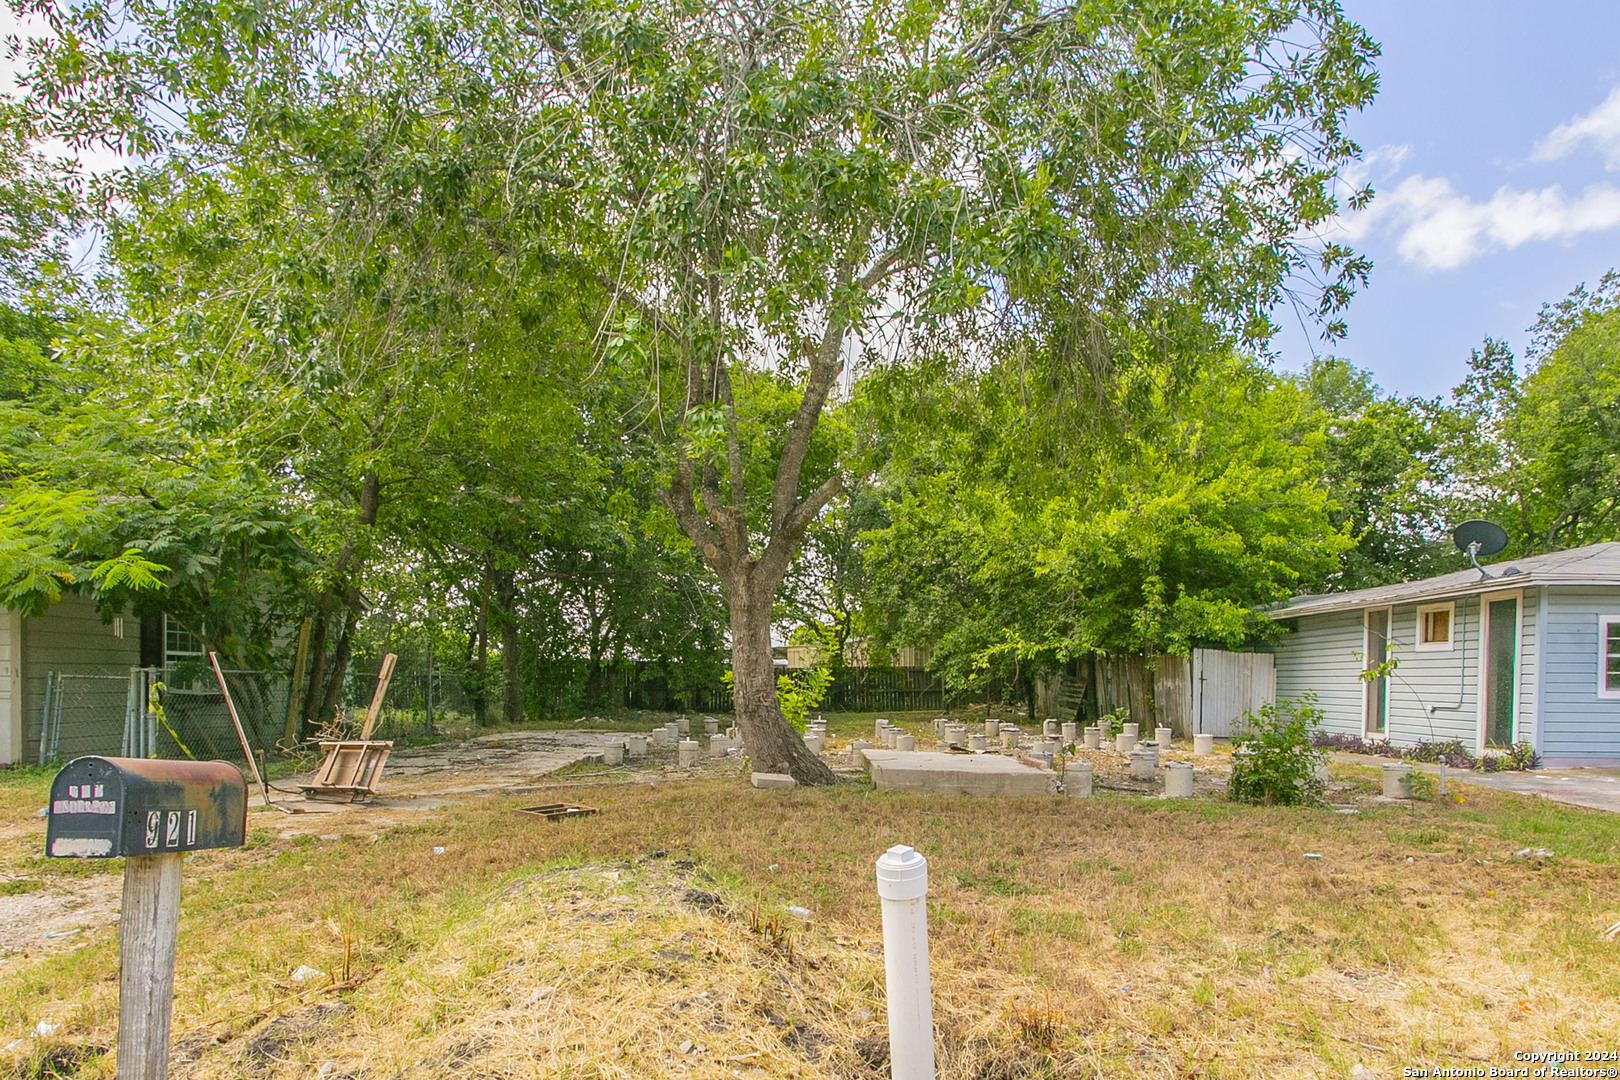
[[799, 186]]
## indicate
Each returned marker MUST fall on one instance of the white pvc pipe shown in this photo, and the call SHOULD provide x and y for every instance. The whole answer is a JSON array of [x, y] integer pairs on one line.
[[902, 880]]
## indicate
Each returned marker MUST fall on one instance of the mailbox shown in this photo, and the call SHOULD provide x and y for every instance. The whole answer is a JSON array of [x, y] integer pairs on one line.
[[103, 808]]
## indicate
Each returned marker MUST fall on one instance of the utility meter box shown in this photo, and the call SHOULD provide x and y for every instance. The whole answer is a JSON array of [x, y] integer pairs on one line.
[[106, 807]]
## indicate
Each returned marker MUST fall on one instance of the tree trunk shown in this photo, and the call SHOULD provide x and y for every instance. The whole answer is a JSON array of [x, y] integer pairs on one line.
[[480, 698], [344, 587], [506, 604], [768, 739]]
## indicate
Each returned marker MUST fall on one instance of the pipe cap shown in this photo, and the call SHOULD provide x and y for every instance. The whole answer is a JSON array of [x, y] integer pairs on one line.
[[902, 874]]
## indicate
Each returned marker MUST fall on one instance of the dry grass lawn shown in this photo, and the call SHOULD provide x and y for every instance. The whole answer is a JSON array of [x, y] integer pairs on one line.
[[1109, 937]]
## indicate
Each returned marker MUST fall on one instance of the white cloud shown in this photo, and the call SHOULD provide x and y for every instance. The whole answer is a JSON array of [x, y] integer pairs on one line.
[[1441, 229], [1600, 128]]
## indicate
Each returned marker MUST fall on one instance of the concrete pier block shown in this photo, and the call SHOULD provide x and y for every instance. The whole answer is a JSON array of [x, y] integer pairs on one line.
[[683, 726], [718, 745], [687, 751], [613, 754], [1009, 739], [1397, 781], [906, 742], [992, 729], [979, 774], [1133, 730], [1144, 762], [857, 751], [1203, 745], [636, 746], [1071, 734], [1178, 780], [772, 781], [877, 728], [655, 737], [1124, 742], [710, 725], [1093, 738], [1077, 780], [976, 743], [956, 734], [1162, 736], [1051, 728], [815, 743]]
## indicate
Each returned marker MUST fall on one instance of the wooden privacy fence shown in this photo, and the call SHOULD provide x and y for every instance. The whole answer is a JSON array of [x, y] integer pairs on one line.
[[1208, 692]]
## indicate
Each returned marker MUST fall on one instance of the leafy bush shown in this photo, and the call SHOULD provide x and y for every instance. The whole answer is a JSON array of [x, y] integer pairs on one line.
[[1516, 759], [1273, 760], [1113, 723], [1353, 744]]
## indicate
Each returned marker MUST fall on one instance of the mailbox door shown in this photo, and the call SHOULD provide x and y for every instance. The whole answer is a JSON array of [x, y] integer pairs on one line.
[[87, 803]]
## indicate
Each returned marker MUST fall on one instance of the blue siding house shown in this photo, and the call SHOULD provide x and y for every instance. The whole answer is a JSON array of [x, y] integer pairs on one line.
[[1529, 653]]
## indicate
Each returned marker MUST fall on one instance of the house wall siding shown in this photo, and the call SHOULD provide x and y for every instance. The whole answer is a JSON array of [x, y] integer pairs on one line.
[[1324, 657], [1575, 725], [1445, 681], [11, 725], [69, 638], [1433, 694]]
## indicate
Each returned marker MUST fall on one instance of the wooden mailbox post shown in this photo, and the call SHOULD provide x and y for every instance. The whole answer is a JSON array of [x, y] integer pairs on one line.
[[150, 813]]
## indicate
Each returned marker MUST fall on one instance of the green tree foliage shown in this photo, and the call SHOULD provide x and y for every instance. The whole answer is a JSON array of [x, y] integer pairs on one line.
[[1159, 535], [1391, 466], [789, 184], [1546, 449]]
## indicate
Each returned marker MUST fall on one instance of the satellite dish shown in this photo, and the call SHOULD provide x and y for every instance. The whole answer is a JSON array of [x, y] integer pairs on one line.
[[1476, 538], [1479, 538]]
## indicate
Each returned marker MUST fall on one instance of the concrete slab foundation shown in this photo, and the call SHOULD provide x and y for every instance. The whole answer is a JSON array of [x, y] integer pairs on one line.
[[977, 774]]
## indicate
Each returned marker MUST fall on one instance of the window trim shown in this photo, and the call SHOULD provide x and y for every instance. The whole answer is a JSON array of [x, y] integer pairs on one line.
[[1369, 687], [179, 655], [1604, 621], [1483, 676], [1450, 643]]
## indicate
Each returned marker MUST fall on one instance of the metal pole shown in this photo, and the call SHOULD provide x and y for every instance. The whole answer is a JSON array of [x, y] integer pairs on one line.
[[129, 716], [902, 880], [45, 719]]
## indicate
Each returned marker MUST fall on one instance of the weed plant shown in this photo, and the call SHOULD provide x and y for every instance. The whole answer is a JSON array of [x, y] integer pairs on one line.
[[1273, 760]]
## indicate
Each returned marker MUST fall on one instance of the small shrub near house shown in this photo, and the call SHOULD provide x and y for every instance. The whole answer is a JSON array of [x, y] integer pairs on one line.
[[1274, 760], [1518, 757]]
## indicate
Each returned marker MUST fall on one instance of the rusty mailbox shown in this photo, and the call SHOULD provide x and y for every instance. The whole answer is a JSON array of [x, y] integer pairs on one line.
[[105, 807]]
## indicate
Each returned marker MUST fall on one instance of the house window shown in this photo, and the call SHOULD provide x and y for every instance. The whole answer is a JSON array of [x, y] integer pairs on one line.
[[1608, 656], [180, 644], [1434, 626]]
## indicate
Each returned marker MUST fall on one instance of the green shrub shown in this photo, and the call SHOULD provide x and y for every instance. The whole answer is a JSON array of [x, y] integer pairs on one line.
[[1113, 723], [1273, 760]]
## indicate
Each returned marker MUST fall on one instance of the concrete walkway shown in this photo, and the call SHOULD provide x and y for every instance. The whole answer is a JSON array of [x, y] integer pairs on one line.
[[1598, 789]]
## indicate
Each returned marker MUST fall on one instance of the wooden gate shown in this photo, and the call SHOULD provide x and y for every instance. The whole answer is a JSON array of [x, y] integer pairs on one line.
[[1226, 685]]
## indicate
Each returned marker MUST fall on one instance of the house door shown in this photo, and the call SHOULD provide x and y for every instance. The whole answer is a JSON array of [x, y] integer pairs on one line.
[[1376, 699], [1501, 670]]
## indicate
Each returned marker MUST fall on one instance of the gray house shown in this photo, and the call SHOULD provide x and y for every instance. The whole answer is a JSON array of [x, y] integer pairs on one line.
[[1530, 653], [93, 657]]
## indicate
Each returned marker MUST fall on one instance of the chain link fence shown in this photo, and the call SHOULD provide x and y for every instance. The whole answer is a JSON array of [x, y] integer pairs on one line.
[[156, 712]]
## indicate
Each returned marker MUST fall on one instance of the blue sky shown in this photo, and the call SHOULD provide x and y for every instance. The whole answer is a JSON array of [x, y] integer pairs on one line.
[[1494, 146]]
